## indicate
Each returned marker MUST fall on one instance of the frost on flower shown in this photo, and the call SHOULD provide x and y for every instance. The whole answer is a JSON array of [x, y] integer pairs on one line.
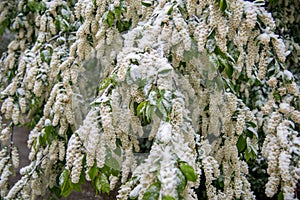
[[163, 97]]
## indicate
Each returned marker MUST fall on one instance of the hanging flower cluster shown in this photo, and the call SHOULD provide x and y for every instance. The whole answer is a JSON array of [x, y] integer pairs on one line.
[[188, 94]]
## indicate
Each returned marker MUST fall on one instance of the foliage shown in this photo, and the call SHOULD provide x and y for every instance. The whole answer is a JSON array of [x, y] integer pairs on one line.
[[172, 99]]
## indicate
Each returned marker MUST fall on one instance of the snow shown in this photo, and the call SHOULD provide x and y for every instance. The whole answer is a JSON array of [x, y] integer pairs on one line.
[[165, 70], [288, 75], [21, 91], [135, 73], [135, 192], [164, 133], [284, 108], [153, 97], [47, 122]]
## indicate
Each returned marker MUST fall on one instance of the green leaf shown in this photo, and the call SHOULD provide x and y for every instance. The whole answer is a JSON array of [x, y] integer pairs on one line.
[[105, 83], [276, 96], [93, 172], [65, 183], [254, 152], [251, 152], [41, 6], [3, 26], [63, 176], [50, 134], [120, 26], [241, 144], [63, 24], [170, 10], [105, 184], [181, 184], [56, 190], [168, 198], [280, 196], [229, 70], [98, 185], [223, 60], [182, 11], [123, 25], [114, 166], [43, 59], [223, 5], [152, 192], [141, 107], [42, 140], [147, 3], [252, 131], [106, 170], [220, 181], [248, 154], [118, 151], [77, 187], [221, 68], [102, 184], [145, 110], [188, 171], [32, 5], [110, 18], [117, 12]]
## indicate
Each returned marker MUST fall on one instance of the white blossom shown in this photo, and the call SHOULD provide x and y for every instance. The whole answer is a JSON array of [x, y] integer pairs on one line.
[[148, 52]]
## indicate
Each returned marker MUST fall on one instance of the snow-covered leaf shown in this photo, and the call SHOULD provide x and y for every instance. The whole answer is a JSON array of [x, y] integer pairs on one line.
[[165, 71], [135, 192], [181, 181], [152, 192], [253, 131]]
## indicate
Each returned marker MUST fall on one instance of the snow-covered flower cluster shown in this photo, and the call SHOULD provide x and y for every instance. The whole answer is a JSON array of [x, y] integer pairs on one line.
[[184, 94]]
